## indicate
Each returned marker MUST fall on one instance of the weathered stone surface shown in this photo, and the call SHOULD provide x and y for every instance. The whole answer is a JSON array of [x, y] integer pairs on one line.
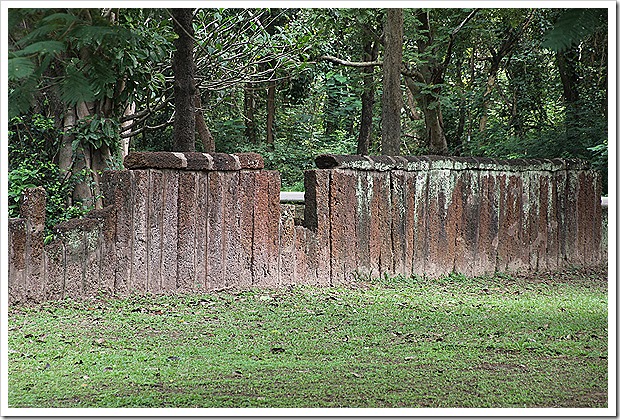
[[156, 208], [32, 209], [232, 229], [170, 233], [17, 260], [466, 251], [421, 223], [56, 271], [398, 189], [202, 208], [440, 255], [215, 233], [316, 218], [381, 251], [140, 233], [343, 214], [225, 162], [186, 264], [156, 160], [488, 225], [250, 160], [265, 249], [246, 193], [198, 161], [288, 254], [363, 195]]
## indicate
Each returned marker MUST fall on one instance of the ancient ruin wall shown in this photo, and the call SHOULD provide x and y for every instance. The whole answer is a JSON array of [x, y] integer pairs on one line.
[[193, 222]]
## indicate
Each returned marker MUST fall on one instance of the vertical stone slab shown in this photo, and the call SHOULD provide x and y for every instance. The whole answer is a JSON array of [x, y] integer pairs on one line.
[[316, 216], [398, 190], [381, 253], [232, 228], [343, 239], [570, 238], [288, 252], [169, 234], [107, 252], [140, 243], [123, 247], [532, 241], [301, 256], [468, 226], [421, 223], [92, 259], [215, 233], [543, 221], [17, 260], [488, 224], [32, 209], [186, 223], [265, 251], [55, 272], [246, 199], [555, 224], [202, 206], [363, 193], [155, 210], [510, 234], [409, 193], [440, 260], [74, 244]]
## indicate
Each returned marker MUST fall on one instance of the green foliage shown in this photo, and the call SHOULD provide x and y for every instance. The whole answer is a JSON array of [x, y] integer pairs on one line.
[[573, 26], [33, 140]]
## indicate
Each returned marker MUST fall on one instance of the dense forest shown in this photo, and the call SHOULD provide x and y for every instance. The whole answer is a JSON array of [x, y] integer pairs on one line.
[[86, 86]]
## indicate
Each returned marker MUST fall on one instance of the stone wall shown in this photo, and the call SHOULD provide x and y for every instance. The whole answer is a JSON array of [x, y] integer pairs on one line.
[[193, 222]]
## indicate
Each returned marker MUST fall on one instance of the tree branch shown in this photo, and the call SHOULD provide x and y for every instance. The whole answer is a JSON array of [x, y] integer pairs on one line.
[[337, 60]]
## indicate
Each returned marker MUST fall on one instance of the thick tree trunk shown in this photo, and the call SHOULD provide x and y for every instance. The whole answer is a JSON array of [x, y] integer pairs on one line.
[[184, 88], [371, 52], [392, 99]]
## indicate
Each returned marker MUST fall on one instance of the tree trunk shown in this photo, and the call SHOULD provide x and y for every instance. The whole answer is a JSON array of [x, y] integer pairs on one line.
[[391, 100], [204, 134], [567, 65], [184, 88], [271, 110], [371, 52], [249, 106]]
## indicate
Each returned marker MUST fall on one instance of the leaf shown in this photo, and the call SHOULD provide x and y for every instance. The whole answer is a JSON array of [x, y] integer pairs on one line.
[[43, 47], [19, 68], [75, 87]]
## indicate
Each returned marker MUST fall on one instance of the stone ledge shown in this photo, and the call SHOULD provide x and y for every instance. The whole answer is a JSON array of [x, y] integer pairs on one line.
[[430, 162], [194, 161]]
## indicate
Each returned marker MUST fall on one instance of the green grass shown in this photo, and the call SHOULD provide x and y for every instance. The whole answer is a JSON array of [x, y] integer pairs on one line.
[[454, 342]]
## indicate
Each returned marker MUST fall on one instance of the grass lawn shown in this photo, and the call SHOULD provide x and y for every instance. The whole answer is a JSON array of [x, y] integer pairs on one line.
[[520, 341]]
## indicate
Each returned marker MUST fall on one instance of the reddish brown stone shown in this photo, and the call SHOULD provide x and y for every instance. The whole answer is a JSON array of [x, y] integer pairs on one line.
[[398, 189], [186, 224], [232, 229], [488, 226], [156, 160], [198, 161], [343, 215], [250, 161], [215, 233], [363, 197], [288, 252], [440, 257], [201, 252], [301, 256], [246, 202], [468, 225], [140, 232], [265, 249], [169, 232], [421, 223], [569, 233], [55, 270], [17, 260], [316, 219], [156, 208], [225, 162]]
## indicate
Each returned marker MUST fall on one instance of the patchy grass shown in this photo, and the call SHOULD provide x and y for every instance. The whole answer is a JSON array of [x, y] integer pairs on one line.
[[454, 342]]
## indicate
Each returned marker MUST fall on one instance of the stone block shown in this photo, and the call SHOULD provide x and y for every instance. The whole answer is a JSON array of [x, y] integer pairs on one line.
[[247, 187], [265, 249], [316, 219], [186, 235], [468, 224], [250, 161], [288, 251], [155, 160], [156, 208], [343, 238], [17, 260], [232, 230], [215, 233], [363, 195], [398, 189], [55, 270], [202, 209], [140, 232], [169, 232]]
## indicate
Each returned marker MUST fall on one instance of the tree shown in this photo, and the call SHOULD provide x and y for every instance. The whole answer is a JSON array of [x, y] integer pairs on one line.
[[184, 88], [392, 98]]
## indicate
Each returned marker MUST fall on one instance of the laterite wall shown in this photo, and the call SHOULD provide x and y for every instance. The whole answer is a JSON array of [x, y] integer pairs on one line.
[[193, 222]]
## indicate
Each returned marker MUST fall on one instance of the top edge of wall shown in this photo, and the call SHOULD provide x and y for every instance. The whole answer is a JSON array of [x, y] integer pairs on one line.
[[430, 162], [194, 161]]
